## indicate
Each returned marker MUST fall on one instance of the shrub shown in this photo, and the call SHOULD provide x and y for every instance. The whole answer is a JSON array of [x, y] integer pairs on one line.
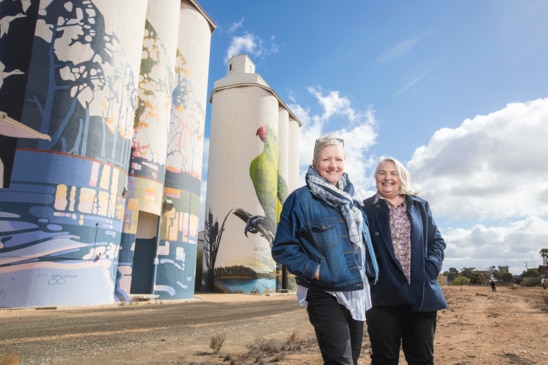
[[530, 281], [461, 280], [216, 342]]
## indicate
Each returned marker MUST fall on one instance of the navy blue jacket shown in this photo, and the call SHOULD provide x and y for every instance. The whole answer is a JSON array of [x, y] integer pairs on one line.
[[423, 294], [311, 234]]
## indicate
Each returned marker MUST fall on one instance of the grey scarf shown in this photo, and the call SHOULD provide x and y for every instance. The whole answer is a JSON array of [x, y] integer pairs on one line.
[[339, 197]]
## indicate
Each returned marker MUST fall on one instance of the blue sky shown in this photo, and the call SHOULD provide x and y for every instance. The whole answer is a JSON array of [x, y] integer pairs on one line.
[[456, 90]]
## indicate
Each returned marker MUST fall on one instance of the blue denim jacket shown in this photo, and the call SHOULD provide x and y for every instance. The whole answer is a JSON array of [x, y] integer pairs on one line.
[[311, 234]]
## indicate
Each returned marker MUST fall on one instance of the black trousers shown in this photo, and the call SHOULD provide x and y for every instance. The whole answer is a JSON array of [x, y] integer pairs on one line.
[[339, 336], [392, 327]]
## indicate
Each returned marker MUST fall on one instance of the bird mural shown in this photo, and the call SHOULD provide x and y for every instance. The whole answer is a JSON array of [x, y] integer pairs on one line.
[[6, 74], [5, 22], [270, 187], [12, 128]]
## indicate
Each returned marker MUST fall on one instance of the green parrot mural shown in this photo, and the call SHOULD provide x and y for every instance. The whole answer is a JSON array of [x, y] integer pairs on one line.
[[270, 187]]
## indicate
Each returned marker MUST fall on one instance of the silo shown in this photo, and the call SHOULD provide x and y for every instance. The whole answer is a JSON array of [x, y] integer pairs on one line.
[[176, 270], [242, 189], [62, 201], [144, 203], [294, 180]]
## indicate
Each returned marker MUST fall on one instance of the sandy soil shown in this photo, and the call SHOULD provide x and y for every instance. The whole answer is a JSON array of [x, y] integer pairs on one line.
[[479, 328]]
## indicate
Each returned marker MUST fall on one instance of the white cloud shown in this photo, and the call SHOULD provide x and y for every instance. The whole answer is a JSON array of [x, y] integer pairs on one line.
[[516, 245], [246, 43], [249, 43], [489, 171], [490, 167], [359, 133], [333, 104], [231, 28]]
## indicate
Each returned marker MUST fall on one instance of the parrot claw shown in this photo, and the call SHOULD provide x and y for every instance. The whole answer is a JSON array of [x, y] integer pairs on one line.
[[252, 224]]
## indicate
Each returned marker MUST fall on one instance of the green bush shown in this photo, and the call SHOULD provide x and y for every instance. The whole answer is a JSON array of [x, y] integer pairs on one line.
[[461, 280], [530, 281]]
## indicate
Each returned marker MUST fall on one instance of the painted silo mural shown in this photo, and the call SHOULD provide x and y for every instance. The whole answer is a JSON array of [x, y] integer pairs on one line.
[[246, 187], [101, 128], [176, 271], [148, 151], [61, 207]]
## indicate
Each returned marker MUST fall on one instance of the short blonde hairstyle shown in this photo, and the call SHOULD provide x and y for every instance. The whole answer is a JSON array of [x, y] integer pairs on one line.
[[323, 142]]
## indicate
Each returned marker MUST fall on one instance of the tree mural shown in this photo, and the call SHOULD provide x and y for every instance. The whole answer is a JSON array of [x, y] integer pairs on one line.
[[184, 130], [152, 113], [212, 240], [76, 54]]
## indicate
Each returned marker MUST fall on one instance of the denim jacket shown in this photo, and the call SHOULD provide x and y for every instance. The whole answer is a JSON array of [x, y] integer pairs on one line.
[[311, 234]]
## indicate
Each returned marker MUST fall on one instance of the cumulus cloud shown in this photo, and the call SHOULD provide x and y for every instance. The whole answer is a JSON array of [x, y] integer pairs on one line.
[[359, 133], [246, 43], [249, 43], [490, 167], [516, 245], [487, 177]]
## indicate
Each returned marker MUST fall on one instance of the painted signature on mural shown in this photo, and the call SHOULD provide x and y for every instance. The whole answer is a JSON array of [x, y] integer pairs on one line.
[[57, 279]]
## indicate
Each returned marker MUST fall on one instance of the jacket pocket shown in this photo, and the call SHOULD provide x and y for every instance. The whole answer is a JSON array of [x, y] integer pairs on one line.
[[324, 234], [431, 271]]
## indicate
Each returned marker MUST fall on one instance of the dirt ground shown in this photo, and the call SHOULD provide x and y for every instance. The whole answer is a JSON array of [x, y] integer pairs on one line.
[[479, 328]]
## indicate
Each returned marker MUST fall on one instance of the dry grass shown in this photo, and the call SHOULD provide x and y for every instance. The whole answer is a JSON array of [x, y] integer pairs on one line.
[[262, 351], [545, 298], [10, 358]]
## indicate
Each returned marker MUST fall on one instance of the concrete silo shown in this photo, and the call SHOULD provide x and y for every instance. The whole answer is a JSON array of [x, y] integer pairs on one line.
[[100, 191], [62, 200], [160, 238], [248, 170], [178, 244]]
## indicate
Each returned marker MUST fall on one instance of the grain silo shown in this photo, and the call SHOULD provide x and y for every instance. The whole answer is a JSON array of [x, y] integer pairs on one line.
[[248, 176]]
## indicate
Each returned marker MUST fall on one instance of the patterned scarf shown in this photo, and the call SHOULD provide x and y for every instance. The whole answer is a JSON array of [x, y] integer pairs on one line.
[[340, 197]]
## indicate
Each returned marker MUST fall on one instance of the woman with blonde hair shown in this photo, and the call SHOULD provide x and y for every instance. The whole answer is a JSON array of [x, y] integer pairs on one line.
[[322, 238]]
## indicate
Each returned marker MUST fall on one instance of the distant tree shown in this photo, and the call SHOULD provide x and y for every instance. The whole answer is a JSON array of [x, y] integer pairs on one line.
[[476, 277], [544, 254], [505, 277], [450, 274], [531, 273], [451, 271], [461, 280], [530, 281]]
